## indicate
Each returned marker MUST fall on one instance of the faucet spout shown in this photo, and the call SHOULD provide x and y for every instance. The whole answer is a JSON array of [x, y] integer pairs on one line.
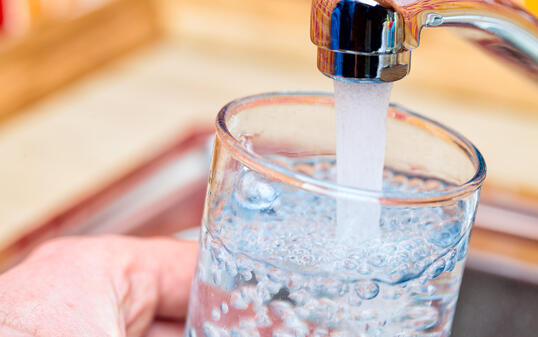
[[372, 40]]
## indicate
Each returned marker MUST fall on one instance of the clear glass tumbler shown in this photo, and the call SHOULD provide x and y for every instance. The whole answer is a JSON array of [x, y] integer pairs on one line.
[[272, 259]]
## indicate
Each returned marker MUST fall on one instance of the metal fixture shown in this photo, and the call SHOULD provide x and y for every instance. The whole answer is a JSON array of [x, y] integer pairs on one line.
[[371, 40]]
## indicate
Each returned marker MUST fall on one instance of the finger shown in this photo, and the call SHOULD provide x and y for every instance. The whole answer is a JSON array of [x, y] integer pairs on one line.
[[173, 263], [148, 277], [165, 329]]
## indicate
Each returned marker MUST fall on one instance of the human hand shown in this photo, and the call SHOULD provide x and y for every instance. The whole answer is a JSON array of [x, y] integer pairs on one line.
[[99, 287]]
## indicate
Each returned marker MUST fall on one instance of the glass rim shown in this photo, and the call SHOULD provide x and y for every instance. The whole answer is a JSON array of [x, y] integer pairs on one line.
[[274, 171]]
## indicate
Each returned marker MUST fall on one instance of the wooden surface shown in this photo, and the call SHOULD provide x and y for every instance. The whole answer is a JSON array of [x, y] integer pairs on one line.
[[75, 142], [57, 52]]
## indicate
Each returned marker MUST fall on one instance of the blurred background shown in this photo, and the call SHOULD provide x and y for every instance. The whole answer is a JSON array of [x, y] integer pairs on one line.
[[106, 107]]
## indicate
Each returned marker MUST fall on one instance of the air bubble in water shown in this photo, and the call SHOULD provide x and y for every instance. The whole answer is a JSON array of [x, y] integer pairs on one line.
[[191, 333], [451, 260], [364, 269], [320, 332], [300, 257], [238, 301], [262, 293], [243, 264], [350, 264], [215, 314], [281, 308], [377, 260], [300, 296], [255, 192], [421, 317], [250, 294], [354, 300], [445, 233], [300, 329], [393, 294], [262, 318], [224, 308], [437, 268], [277, 276], [210, 330], [367, 289], [369, 314], [464, 246], [231, 268], [431, 290], [216, 277], [295, 282], [248, 327], [281, 333], [331, 288], [272, 287], [246, 275], [235, 332]]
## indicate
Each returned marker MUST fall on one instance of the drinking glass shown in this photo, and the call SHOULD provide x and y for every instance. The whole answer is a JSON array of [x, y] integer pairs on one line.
[[274, 260]]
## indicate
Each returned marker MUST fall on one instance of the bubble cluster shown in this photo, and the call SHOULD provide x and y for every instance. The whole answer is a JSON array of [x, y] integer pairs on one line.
[[275, 253], [191, 333], [211, 331], [224, 308], [291, 229]]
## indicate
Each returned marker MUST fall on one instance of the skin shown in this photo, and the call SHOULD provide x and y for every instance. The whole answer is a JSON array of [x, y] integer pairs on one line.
[[99, 287]]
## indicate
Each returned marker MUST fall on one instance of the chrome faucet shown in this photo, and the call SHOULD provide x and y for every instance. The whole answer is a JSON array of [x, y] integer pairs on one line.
[[371, 40]]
